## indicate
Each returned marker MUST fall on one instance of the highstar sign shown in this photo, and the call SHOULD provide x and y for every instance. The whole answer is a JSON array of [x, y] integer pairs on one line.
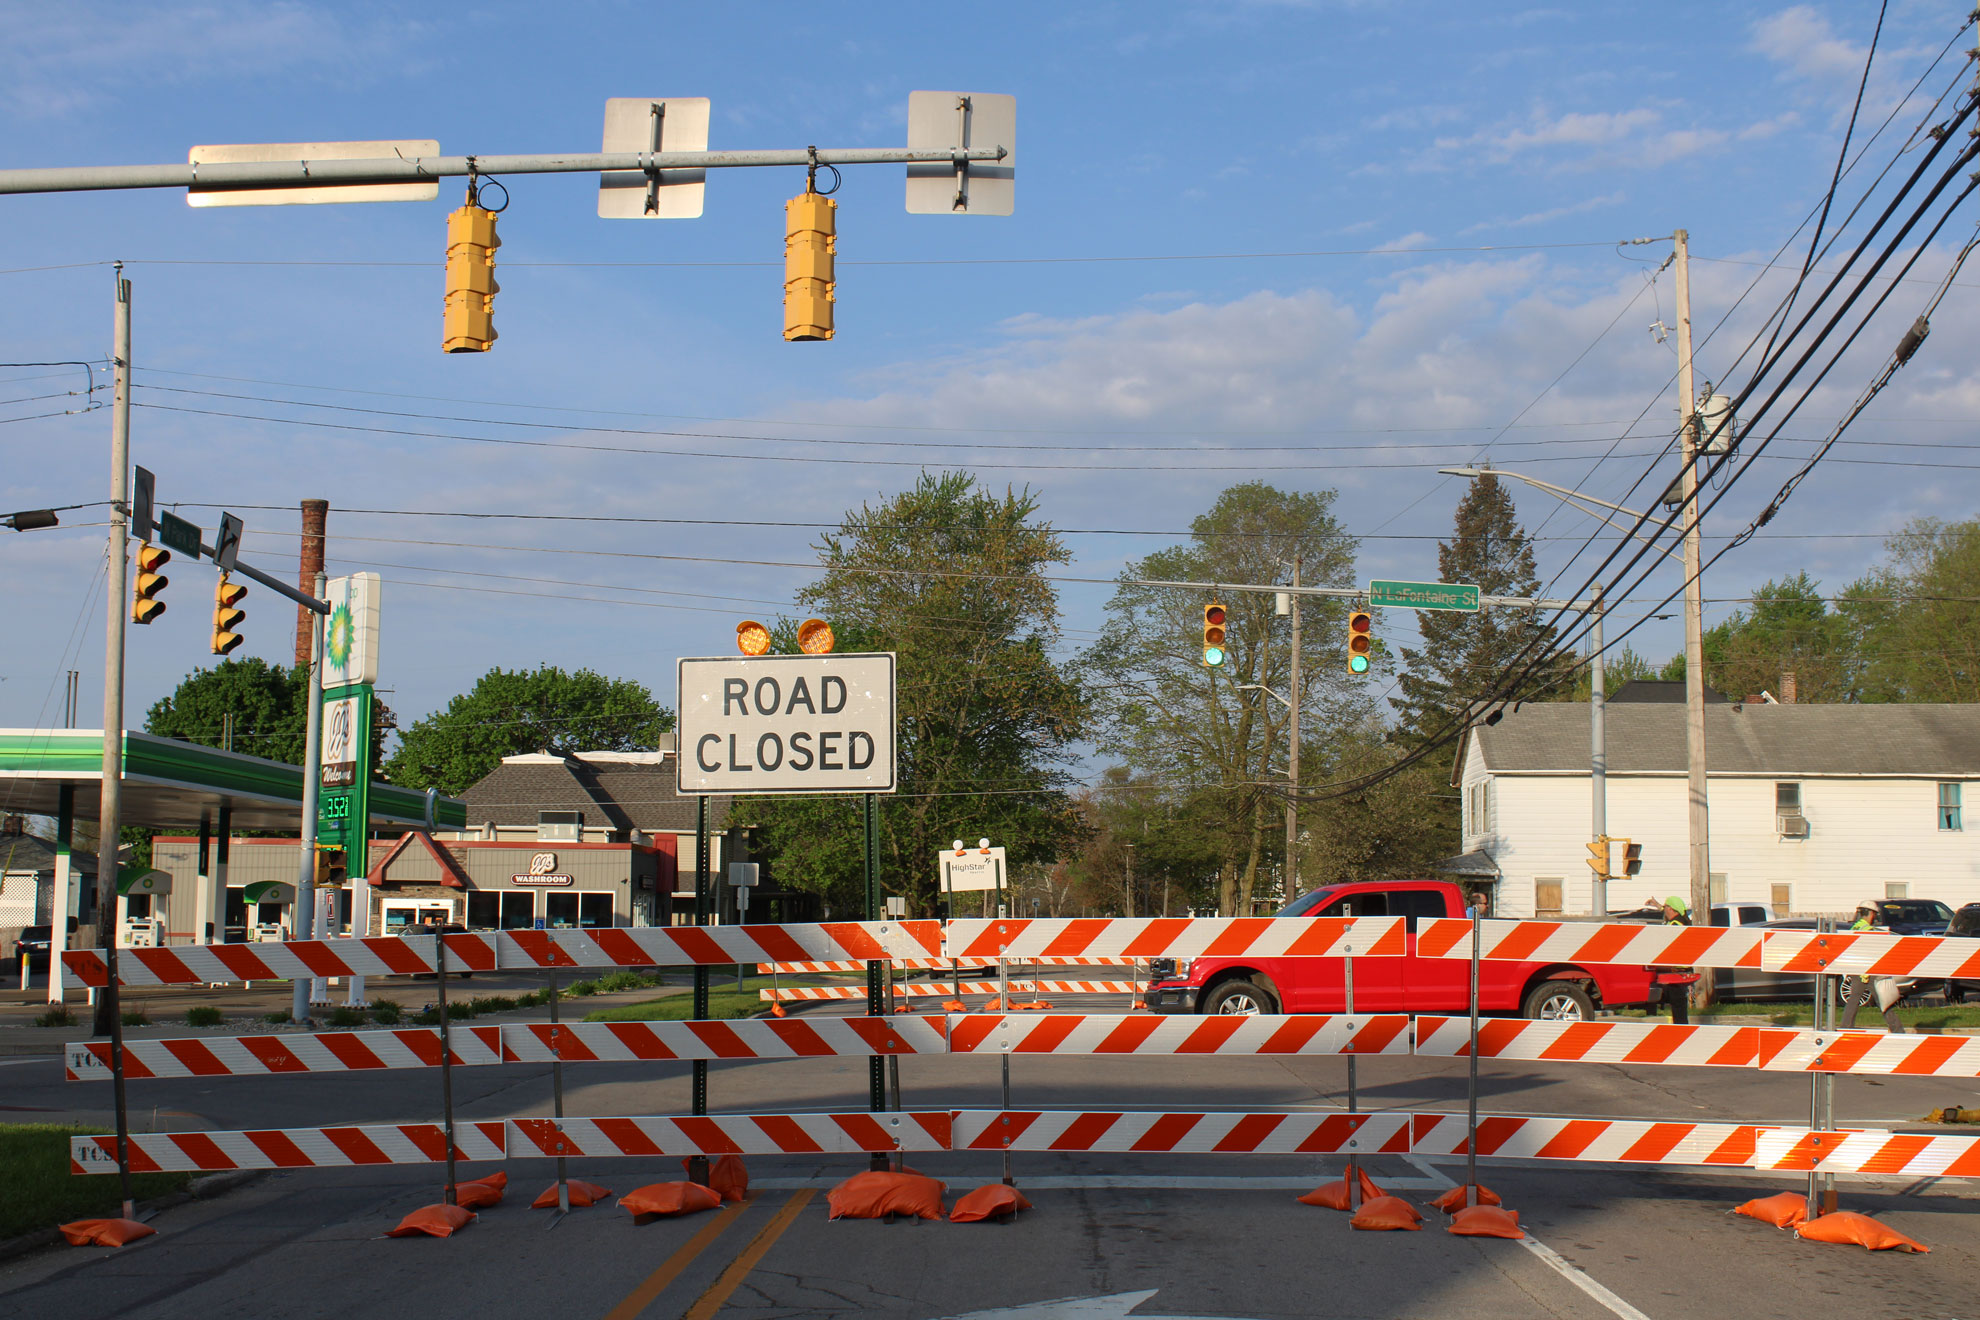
[[787, 724]]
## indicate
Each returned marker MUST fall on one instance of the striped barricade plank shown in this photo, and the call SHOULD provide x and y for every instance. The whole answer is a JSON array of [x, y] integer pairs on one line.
[[1592, 942], [289, 1148], [765, 1038], [195, 964], [945, 990], [731, 1134], [1869, 954], [1899, 1154], [673, 946], [1606, 1140], [1023, 939], [1589, 1042], [931, 965], [291, 1052], [1151, 1034], [1784, 1049], [1214, 1133]]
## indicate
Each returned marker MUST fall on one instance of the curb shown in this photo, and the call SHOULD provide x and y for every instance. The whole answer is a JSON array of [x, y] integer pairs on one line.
[[199, 1189]]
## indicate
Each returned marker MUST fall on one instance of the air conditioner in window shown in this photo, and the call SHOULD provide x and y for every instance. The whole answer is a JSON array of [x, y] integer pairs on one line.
[[1793, 825]]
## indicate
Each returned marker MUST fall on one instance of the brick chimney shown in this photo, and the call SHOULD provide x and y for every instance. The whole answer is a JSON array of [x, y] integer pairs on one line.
[[315, 513], [1787, 687]]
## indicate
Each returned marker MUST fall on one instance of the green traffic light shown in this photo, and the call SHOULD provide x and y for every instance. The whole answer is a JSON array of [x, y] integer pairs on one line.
[[1213, 656], [1358, 664]]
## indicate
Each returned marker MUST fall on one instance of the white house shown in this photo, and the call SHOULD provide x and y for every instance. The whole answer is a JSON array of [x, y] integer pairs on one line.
[[1813, 808]]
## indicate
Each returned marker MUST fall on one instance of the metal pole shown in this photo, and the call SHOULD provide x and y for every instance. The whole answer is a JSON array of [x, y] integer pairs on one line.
[[1694, 645], [446, 1057], [1814, 1208], [1004, 1005], [1292, 756], [1598, 757], [698, 1164], [109, 1011], [1353, 1165], [876, 1005], [1471, 1116], [557, 1096], [305, 902]]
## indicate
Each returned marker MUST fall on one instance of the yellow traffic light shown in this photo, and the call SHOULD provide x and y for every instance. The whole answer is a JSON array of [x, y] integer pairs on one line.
[[227, 615], [469, 325], [1213, 634], [811, 230], [329, 867], [145, 605], [814, 637], [1360, 641], [1598, 857], [752, 638]]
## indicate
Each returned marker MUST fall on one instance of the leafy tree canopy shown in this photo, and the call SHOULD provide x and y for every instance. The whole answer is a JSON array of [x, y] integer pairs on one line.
[[512, 711], [267, 703]]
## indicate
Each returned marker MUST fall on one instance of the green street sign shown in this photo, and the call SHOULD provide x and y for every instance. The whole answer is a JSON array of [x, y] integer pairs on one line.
[[178, 534], [1424, 596]]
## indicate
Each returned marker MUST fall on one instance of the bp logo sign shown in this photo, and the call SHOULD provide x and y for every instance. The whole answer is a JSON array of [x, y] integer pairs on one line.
[[350, 632], [338, 642]]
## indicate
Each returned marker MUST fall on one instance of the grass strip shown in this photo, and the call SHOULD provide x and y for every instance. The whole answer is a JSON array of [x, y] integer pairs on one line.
[[37, 1190], [680, 1007]]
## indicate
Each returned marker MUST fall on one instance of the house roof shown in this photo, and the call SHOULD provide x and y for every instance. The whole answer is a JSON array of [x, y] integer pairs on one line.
[[1922, 741], [27, 852], [623, 791], [451, 874]]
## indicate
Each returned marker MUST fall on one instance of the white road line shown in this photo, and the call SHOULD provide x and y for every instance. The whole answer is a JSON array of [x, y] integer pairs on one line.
[[1553, 1259], [37, 1058]]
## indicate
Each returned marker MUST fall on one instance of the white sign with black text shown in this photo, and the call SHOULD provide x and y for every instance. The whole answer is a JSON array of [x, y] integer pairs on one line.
[[972, 869], [787, 724]]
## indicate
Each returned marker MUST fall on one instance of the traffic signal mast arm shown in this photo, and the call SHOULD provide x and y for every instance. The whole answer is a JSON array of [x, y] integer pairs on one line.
[[1350, 593], [415, 169]]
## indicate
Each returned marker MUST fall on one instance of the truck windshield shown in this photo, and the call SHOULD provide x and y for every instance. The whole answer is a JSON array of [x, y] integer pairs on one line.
[[1306, 904], [1916, 909]]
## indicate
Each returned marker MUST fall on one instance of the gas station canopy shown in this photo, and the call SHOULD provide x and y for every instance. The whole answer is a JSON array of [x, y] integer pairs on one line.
[[170, 784]]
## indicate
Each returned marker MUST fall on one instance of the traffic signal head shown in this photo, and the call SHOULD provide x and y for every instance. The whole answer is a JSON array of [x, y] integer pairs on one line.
[[329, 867], [1360, 642], [1632, 857], [1213, 634], [145, 605], [1598, 857], [469, 325], [227, 615], [810, 240]]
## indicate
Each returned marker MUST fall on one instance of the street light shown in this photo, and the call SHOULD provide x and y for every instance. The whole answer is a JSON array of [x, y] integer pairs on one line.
[[31, 520]]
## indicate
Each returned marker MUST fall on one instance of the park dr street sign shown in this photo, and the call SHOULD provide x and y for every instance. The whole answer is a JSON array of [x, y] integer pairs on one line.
[[1423, 596], [786, 724]]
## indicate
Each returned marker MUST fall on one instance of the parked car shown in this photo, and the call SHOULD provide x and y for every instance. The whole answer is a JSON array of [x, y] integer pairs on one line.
[[1723, 914], [1914, 916], [1965, 923], [32, 943], [1405, 984], [1756, 983]]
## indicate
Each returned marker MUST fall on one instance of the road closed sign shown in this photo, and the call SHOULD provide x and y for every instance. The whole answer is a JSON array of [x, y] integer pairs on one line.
[[787, 724]]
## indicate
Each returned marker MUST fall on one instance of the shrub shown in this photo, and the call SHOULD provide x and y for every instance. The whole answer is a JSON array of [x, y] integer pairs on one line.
[[204, 1015], [344, 1015], [135, 1017], [386, 1012], [58, 1016], [459, 1012], [491, 1004], [276, 1019], [583, 989], [621, 980]]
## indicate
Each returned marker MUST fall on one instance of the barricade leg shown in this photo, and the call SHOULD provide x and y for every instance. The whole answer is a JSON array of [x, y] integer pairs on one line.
[[1004, 999], [698, 1164], [557, 1100], [1471, 1090], [446, 1060], [1353, 1164], [1822, 1093]]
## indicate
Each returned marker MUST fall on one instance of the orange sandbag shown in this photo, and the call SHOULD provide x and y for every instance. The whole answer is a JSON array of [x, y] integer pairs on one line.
[[482, 1192], [670, 1198], [1387, 1212], [105, 1232], [1334, 1195], [777, 1010], [1847, 1226], [1784, 1210], [727, 1177], [433, 1221], [993, 1201], [954, 1006], [1453, 1201], [1486, 1221], [882, 1192], [580, 1193]]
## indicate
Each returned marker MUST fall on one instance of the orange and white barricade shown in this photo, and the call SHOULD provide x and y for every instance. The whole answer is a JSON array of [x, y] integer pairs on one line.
[[291, 1052], [290, 1148], [1145, 1034], [754, 1038], [733, 1134]]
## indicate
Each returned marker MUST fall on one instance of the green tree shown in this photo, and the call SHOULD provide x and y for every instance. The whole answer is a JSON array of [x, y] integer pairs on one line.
[[268, 704], [1918, 616], [1395, 829], [512, 711], [1145, 837], [1218, 745], [1465, 657], [1787, 627], [950, 577]]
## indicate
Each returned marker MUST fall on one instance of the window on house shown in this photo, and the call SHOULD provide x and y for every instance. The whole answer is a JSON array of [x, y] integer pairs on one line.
[[1547, 897], [501, 909], [1781, 899], [1949, 806], [566, 909], [1478, 808], [1718, 883], [1787, 812], [1897, 889]]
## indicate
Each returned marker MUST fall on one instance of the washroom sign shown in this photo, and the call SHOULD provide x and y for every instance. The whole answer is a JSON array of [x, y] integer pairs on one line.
[[786, 724]]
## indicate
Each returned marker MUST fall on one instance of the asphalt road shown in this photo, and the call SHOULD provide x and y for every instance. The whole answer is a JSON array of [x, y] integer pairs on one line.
[[1110, 1236]]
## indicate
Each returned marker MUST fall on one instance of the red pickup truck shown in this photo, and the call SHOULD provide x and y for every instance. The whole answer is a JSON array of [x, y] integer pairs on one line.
[[1409, 984]]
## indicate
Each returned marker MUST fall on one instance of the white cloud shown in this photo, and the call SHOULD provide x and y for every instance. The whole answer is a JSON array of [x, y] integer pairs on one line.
[[1575, 130], [1802, 40], [1581, 207]]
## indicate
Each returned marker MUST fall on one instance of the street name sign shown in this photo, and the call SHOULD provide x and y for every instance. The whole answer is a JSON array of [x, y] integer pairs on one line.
[[175, 533], [1424, 596], [786, 724]]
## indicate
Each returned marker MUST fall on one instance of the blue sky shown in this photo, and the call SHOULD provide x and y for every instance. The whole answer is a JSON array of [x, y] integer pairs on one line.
[[285, 352]]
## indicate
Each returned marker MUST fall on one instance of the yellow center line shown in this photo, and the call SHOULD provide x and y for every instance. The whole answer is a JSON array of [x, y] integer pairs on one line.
[[656, 1282], [712, 1300]]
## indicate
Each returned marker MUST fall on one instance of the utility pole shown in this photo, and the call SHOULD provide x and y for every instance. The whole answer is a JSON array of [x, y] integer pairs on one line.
[[1694, 640], [1292, 763], [109, 1012]]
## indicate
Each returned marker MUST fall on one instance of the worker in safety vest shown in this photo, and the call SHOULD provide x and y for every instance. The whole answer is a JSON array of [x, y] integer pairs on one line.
[[1860, 990], [1677, 993]]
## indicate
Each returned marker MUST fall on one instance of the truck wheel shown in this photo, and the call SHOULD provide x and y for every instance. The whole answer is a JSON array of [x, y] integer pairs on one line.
[[1240, 998], [1559, 1001]]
